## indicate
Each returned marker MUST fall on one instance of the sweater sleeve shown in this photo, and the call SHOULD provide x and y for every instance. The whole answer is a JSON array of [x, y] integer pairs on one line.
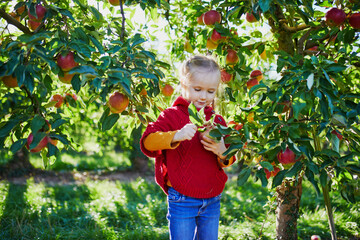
[[160, 140]]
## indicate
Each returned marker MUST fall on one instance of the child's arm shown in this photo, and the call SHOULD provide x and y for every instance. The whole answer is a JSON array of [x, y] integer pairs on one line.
[[169, 140]]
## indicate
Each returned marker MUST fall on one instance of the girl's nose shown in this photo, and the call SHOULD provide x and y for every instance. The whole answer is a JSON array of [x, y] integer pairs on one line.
[[203, 95]]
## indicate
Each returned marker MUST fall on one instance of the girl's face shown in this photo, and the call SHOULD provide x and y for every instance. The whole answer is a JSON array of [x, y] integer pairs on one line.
[[201, 88]]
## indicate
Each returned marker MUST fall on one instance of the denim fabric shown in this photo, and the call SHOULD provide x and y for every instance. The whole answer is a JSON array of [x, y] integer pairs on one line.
[[193, 218]]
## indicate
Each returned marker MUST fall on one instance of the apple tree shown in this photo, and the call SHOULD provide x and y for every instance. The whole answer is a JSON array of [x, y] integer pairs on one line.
[[60, 63], [291, 90]]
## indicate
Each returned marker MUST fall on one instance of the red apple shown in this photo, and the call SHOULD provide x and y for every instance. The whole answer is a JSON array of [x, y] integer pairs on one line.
[[250, 17], [211, 17], [354, 20], [287, 158], [66, 62], [252, 82], [335, 17], [216, 36], [114, 2], [118, 102], [40, 146], [40, 13], [225, 76], [256, 74], [10, 81], [66, 78], [58, 99], [272, 173], [200, 20], [211, 45], [33, 25], [167, 90], [231, 58], [315, 237], [340, 137]]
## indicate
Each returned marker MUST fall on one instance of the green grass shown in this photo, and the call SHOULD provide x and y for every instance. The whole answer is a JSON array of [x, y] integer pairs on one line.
[[137, 209]]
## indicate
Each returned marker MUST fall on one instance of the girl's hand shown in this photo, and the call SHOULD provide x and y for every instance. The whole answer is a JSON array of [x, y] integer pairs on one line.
[[218, 148], [186, 133]]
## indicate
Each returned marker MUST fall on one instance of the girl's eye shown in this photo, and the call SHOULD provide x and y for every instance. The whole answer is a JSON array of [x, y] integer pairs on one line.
[[211, 92], [197, 89]]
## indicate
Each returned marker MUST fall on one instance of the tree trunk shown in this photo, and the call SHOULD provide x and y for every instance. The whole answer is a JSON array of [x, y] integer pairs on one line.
[[19, 165], [138, 160], [287, 211]]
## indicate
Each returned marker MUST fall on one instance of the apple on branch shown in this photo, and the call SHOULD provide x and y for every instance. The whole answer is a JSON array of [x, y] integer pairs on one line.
[[211, 45], [66, 62], [188, 47], [252, 82], [287, 158], [216, 37], [250, 17], [40, 13], [256, 74], [335, 17], [118, 102], [211, 17], [225, 76], [272, 173], [38, 147], [114, 2], [167, 90], [354, 20], [58, 99], [231, 57], [66, 78], [200, 19], [9, 81]]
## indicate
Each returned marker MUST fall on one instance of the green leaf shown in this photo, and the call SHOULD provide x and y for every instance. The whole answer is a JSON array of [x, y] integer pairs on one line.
[[257, 88], [96, 13], [310, 81], [265, 5], [323, 178], [18, 145], [243, 176], [310, 176], [267, 165], [58, 123], [194, 116], [97, 44], [293, 171], [299, 104], [7, 127], [37, 123], [262, 175], [109, 121], [279, 178]]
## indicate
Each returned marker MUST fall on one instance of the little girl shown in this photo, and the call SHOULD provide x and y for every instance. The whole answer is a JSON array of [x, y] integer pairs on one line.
[[187, 168]]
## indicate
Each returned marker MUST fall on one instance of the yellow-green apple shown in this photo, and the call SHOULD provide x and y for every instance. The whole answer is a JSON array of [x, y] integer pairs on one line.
[[66, 78], [225, 76], [66, 62], [200, 20], [272, 173], [256, 74], [211, 45], [252, 82], [38, 147], [188, 47], [40, 13], [10, 81], [58, 99], [211, 17], [114, 2], [263, 55], [167, 90], [231, 57], [335, 17], [354, 20], [118, 102]]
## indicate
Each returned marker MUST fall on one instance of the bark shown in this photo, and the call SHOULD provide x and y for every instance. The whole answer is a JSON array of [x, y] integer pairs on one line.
[[287, 211], [19, 165]]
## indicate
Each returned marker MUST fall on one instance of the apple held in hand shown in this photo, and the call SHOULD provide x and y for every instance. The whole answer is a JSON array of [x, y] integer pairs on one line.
[[40, 146], [66, 62], [335, 17], [118, 102], [211, 17]]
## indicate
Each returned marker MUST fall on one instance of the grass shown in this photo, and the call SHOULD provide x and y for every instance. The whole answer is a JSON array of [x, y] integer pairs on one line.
[[137, 209]]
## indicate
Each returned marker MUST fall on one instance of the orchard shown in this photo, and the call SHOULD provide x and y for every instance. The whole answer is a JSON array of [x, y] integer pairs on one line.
[[290, 86]]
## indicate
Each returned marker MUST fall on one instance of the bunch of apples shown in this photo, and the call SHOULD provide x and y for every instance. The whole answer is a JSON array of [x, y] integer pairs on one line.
[[336, 17]]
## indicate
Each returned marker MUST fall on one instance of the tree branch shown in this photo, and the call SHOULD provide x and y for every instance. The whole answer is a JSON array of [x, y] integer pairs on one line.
[[293, 29], [14, 22], [123, 22]]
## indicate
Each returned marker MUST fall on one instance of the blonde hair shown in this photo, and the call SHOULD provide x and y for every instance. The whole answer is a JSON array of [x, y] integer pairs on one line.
[[198, 64]]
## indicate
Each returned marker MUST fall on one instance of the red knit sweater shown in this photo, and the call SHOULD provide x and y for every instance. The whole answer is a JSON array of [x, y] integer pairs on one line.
[[191, 169]]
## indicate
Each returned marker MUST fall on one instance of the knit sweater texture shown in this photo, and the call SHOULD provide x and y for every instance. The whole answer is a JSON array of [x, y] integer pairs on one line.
[[191, 169]]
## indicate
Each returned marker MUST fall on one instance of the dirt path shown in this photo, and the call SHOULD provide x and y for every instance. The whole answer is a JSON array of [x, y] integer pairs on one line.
[[69, 178]]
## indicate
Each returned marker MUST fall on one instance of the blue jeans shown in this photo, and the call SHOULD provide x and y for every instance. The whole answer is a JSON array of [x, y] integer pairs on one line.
[[193, 218]]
